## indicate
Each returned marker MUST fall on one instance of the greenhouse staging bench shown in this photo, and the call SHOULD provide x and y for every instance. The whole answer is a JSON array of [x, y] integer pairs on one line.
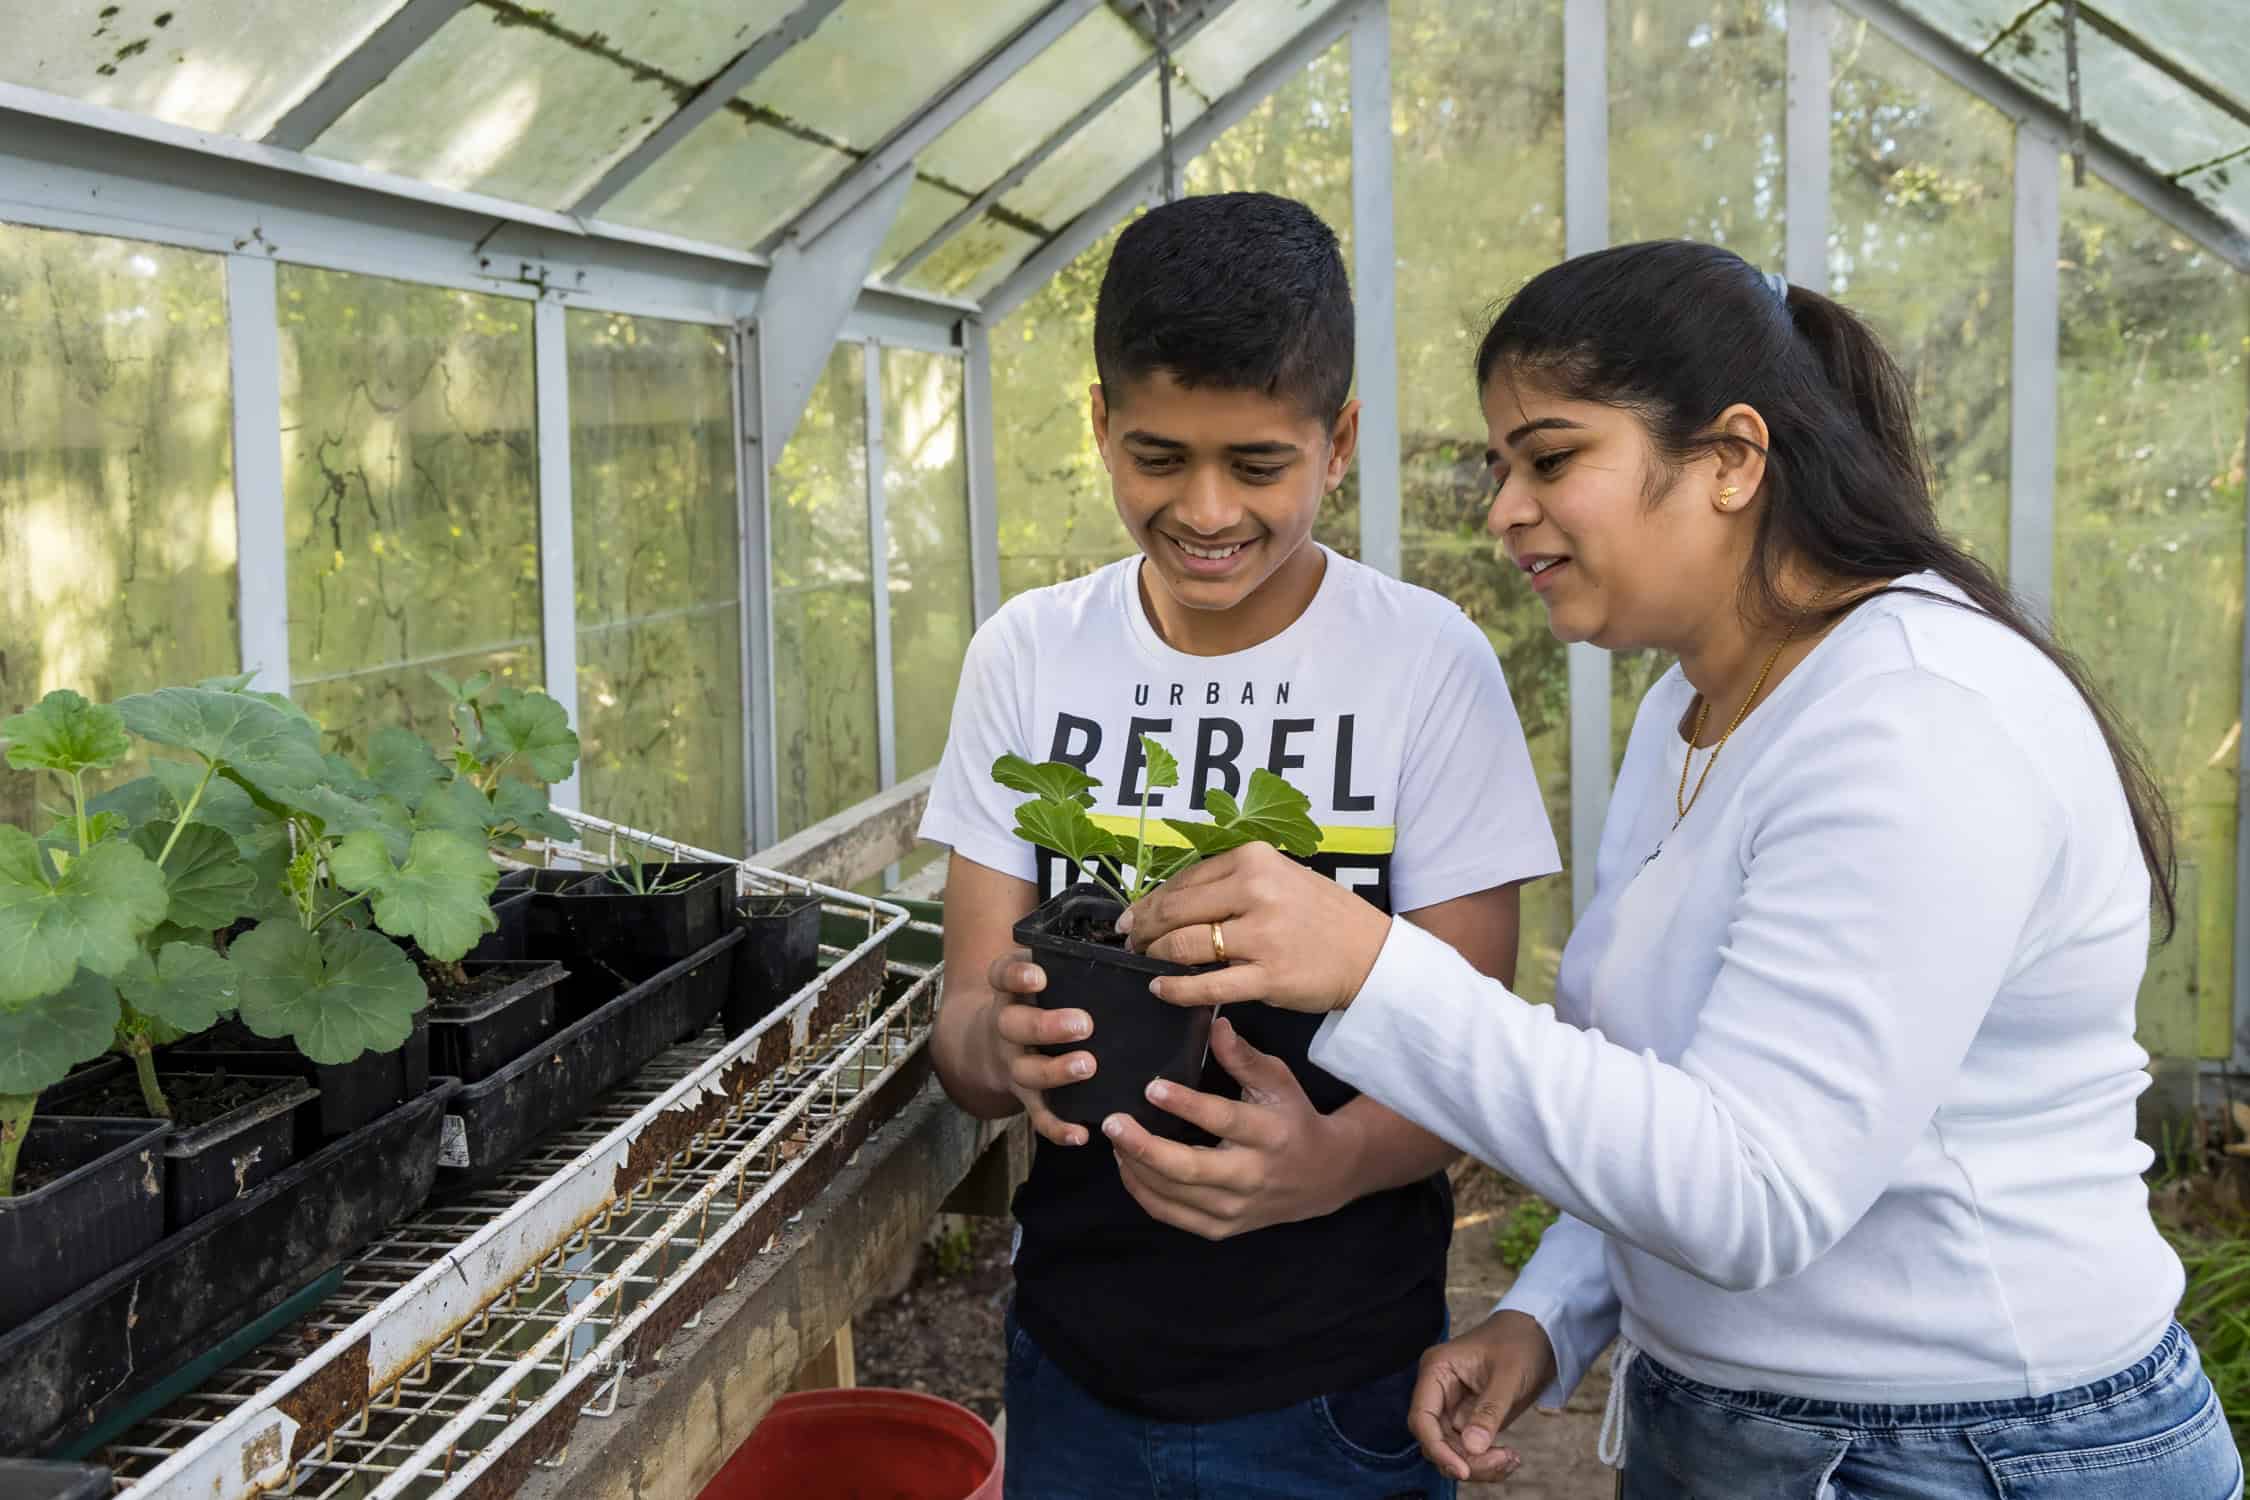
[[456, 1355]]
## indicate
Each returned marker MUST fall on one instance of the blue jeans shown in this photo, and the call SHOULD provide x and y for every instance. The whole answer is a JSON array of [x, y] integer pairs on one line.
[[1065, 1444], [2153, 1432]]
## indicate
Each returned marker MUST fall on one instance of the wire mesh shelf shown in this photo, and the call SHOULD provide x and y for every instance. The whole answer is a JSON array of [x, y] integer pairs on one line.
[[461, 1348]]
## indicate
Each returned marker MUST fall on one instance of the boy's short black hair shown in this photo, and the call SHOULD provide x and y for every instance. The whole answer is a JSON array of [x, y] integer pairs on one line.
[[1237, 291]]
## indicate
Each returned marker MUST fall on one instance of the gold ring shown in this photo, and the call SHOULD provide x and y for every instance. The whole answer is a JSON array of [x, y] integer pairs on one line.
[[1219, 942]]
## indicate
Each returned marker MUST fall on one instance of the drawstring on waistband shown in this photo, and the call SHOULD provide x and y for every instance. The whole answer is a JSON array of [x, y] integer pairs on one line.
[[1610, 1449]]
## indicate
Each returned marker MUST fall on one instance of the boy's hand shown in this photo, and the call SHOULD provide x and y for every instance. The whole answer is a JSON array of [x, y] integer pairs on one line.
[[1018, 1026], [1278, 1160], [1472, 1388]]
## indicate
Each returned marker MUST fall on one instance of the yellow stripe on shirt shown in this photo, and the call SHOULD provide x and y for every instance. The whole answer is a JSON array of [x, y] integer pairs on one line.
[[1335, 838]]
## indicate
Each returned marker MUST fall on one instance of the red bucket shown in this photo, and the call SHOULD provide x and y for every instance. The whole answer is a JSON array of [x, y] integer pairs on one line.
[[863, 1445]]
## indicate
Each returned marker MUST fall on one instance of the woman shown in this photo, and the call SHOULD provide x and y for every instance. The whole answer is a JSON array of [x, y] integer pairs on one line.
[[1837, 1092]]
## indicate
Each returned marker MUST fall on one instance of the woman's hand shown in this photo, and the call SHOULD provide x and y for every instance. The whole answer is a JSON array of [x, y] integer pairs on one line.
[[1278, 1160], [1472, 1388], [1018, 1026], [1293, 938]]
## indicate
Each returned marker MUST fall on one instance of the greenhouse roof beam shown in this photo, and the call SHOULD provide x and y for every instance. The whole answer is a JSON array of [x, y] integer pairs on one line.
[[2151, 189], [934, 119], [2130, 41], [1073, 238], [365, 66], [1015, 176], [708, 101]]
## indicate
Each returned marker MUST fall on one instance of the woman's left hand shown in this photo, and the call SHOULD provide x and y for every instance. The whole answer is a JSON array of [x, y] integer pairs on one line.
[[1292, 937]]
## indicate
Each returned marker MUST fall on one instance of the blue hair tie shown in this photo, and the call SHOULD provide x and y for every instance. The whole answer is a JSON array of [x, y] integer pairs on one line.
[[1779, 284]]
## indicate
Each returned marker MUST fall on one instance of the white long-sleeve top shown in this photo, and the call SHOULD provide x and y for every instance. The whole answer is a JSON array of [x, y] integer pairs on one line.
[[1837, 1092]]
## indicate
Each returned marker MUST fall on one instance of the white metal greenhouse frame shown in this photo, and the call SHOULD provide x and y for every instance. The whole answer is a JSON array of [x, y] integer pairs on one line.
[[76, 166]]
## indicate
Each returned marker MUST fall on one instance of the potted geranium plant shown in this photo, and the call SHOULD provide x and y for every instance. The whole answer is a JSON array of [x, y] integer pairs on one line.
[[1073, 935]]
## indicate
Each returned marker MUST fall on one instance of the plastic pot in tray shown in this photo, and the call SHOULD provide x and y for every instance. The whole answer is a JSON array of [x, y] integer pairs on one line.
[[89, 1197], [1137, 1038], [351, 1094], [213, 1162], [604, 919], [778, 957], [125, 1332], [508, 942], [471, 1039], [493, 1120]]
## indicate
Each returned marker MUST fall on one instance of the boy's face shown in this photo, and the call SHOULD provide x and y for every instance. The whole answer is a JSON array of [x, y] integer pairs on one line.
[[1218, 487]]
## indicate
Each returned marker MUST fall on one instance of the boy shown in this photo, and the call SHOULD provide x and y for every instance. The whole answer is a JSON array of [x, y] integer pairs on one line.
[[1245, 1319]]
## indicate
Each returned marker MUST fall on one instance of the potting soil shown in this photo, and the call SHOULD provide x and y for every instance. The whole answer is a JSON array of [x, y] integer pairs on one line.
[[196, 1098]]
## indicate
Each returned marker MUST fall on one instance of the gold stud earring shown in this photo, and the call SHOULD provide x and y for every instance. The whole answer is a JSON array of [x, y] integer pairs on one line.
[[1727, 494]]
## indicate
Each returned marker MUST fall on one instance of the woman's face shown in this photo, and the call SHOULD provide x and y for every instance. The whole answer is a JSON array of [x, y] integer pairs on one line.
[[1623, 552]]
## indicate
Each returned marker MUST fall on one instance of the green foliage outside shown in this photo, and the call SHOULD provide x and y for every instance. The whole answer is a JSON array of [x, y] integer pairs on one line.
[[1517, 1238]]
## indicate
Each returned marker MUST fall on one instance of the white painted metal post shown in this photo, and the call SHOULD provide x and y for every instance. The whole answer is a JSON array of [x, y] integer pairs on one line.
[[1375, 257], [1585, 229], [260, 522], [761, 754], [558, 556], [879, 574], [2032, 382], [2239, 1047], [1810, 25], [977, 418]]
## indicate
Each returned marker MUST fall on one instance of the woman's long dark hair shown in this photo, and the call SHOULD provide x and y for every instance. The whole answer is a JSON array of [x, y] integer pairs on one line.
[[1676, 332]]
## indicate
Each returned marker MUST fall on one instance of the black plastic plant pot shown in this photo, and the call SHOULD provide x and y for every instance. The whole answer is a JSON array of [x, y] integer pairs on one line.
[[207, 1165], [605, 920], [1137, 1038], [474, 1038], [368, 1087], [89, 1197], [778, 957], [506, 943], [496, 1118], [29, 1479], [83, 1356]]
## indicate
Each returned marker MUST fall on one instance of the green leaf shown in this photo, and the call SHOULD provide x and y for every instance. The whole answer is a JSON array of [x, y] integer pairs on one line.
[[525, 806], [1055, 780], [337, 995], [440, 897], [1163, 861], [62, 839], [188, 988], [1207, 839], [234, 684], [1163, 766], [1065, 828], [530, 727], [211, 883], [42, 1041], [66, 734], [273, 752], [475, 686], [1272, 812], [459, 809], [93, 916], [402, 763], [451, 685]]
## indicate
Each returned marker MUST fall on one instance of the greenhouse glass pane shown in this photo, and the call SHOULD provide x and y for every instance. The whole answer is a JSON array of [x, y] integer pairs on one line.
[[875, 63], [1036, 102], [234, 66], [410, 496], [535, 105], [656, 540], [2148, 554], [1696, 94], [974, 261], [1973, 23], [1100, 156], [823, 604], [117, 532], [1921, 230], [926, 515], [2139, 106], [733, 181], [923, 214], [1250, 31], [2183, 33], [1696, 89], [1477, 89]]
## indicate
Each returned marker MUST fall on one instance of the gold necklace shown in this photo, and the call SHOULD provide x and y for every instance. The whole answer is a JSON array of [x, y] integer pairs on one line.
[[1683, 799]]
